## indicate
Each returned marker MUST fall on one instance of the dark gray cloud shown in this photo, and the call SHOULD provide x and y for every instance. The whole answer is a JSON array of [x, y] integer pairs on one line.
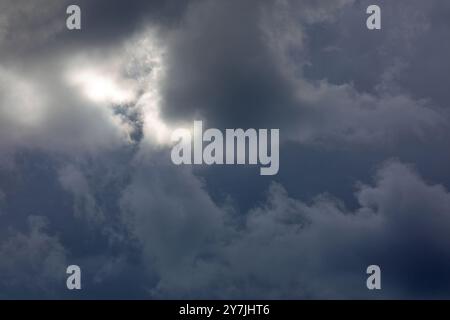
[[252, 72], [85, 171], [31, 263], [288, 247]]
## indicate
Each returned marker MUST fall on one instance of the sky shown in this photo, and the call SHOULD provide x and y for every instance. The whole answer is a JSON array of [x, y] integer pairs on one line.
[[86, 176]]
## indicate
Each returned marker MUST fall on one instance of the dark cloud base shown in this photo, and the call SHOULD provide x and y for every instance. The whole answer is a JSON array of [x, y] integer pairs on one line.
[[364, 125]]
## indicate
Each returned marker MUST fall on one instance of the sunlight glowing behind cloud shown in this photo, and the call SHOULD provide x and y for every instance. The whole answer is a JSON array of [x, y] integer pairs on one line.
[[146, 63], [101, 87], [129, 77]]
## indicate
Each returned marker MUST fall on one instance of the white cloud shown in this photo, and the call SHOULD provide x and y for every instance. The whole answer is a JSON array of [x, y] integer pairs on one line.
[[81, 102], [40, 111]]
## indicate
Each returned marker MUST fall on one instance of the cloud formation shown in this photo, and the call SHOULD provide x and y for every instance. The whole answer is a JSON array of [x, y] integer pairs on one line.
[[31, 263], [287, 248], [85, 170]]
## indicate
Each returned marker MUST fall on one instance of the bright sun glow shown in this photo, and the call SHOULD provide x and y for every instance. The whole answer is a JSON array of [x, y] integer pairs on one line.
[[102, 88], [142, 60]]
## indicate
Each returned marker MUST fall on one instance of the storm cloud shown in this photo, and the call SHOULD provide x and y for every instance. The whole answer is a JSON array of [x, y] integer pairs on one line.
[[85, 170]]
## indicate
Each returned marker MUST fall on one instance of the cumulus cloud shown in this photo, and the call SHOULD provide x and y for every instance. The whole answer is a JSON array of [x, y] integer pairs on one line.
[[41, 112], [255, 66], [287, 248], [176, 221], [32, 263], [25, 24], [252, 74], [74, 182], [86, 101], [340, 114], [322, 249], [85, 120]]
